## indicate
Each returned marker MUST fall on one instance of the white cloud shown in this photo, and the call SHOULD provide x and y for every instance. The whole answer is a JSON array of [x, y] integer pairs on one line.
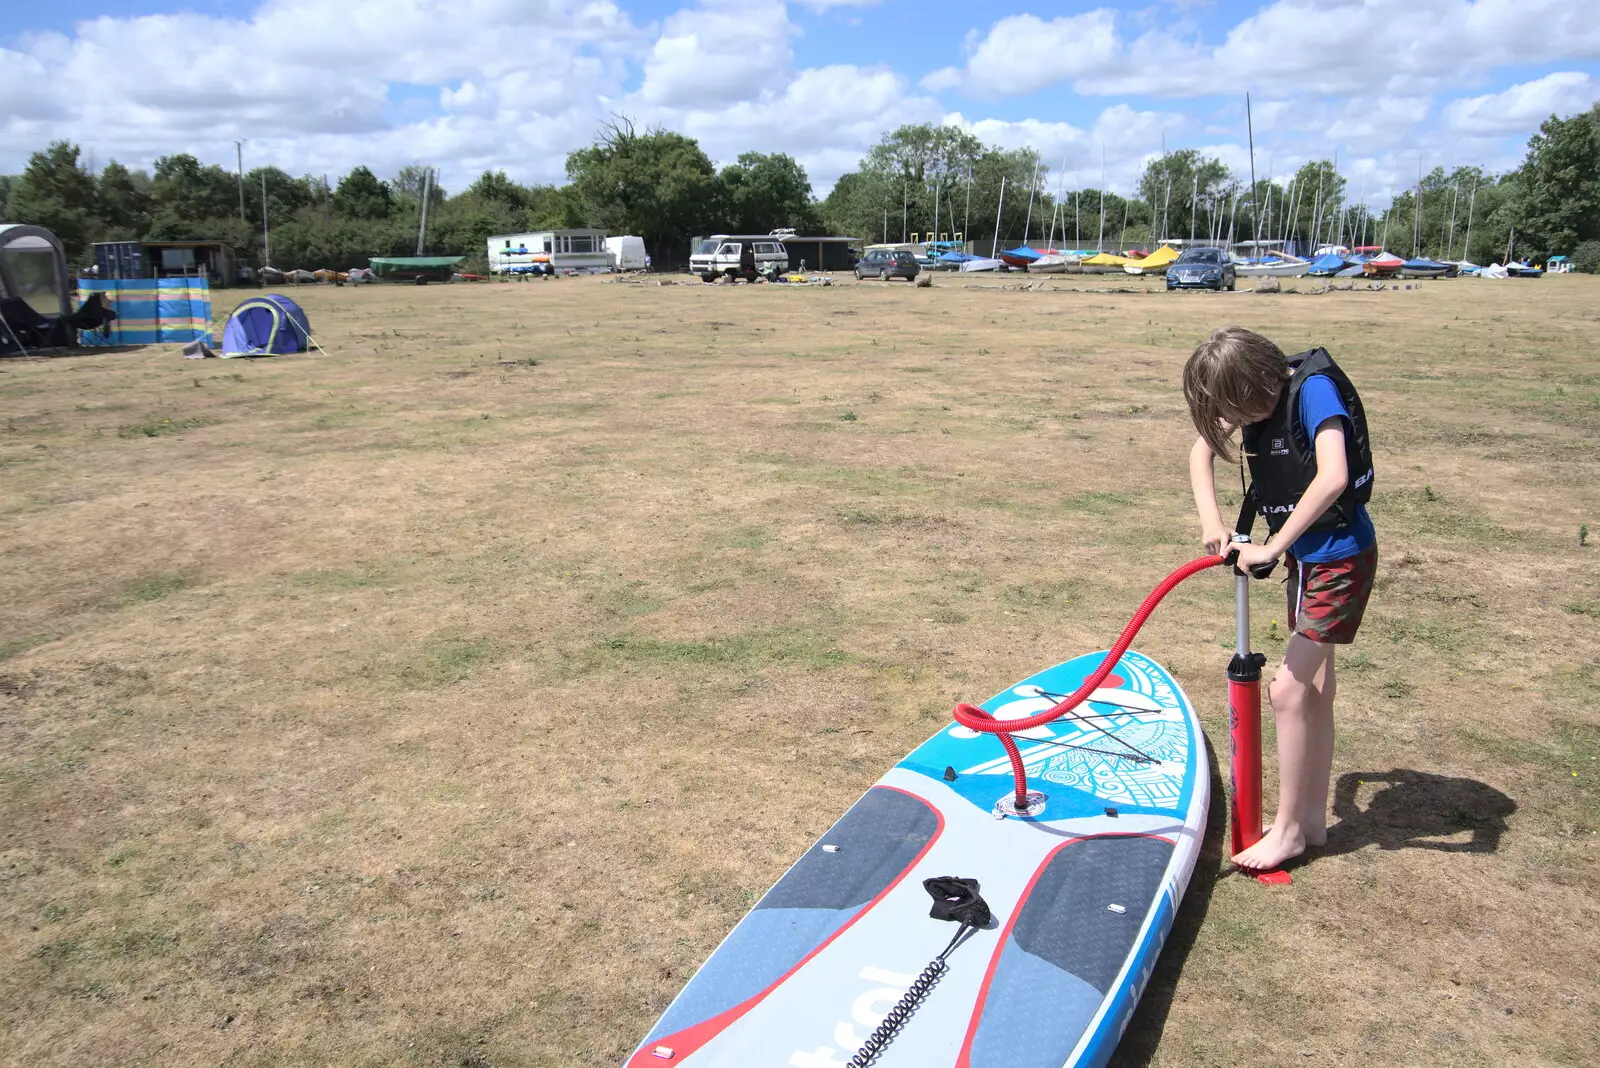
[[1411, 49], [518, 84], [1523, 107], [826, 117], [721, 50], [319, 87], [1024, 53]]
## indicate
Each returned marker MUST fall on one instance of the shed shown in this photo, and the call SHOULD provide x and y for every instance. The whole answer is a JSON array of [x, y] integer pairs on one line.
[[215, 261], [821, 253]]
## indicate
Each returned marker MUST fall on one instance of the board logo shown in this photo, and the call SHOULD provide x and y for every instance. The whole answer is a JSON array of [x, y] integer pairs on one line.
[[1280, 447], [865, 1011]]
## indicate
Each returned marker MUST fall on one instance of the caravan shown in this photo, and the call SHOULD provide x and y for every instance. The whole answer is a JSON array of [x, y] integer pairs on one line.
[[550, 252], [627, 254]]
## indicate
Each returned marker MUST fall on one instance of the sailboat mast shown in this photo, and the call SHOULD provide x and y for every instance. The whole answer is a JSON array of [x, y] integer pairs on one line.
[[1455, 202], [1032, 183], [995, 244], [1466, 246], [1100, 242], [966, 216], [1416, 218], [1250, 125], [1194, 201]]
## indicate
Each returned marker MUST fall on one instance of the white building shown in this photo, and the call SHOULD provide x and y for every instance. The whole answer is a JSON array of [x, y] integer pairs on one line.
[[578, 251]]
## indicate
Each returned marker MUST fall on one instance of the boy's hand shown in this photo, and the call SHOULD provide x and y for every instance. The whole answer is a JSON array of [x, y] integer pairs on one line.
[[1215, 537], [1254, 556]]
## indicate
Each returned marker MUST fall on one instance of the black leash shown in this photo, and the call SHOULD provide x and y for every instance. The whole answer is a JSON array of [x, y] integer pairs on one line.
[[954, 899]]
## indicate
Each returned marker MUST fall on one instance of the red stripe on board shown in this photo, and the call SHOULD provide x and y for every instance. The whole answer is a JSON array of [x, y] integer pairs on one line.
[[691, 1039], [964, 1059]]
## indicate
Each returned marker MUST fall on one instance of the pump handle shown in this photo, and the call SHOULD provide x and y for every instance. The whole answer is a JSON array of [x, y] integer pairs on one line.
[[1246, 520]]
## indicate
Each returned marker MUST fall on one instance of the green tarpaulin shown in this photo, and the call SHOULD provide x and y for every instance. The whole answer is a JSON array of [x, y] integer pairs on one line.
[[439, 267]]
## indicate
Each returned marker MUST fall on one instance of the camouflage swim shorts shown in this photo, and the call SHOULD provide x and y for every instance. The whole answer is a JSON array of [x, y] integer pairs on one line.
[[1327, 600]]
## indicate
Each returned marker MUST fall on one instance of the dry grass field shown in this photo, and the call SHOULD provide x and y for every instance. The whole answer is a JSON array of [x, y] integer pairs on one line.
[[443, 700]]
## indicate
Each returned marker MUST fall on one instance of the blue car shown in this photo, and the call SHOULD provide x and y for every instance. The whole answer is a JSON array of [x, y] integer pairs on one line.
[[1202, 268]]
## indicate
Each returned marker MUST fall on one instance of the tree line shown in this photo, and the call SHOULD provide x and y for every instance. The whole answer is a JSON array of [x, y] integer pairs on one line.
[[918, 180]]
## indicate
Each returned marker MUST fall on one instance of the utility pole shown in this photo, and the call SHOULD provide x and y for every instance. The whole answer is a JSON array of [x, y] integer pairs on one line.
[[238, 147], [422, 224], [905, 209], [266, 241]]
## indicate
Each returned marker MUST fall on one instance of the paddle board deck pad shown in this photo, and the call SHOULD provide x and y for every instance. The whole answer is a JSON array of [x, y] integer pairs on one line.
[[1083, 895]]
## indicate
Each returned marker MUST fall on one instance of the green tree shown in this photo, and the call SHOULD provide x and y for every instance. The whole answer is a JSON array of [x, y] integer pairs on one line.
[[7, 183], [553, 207], [654, 184], [495, 187], [922, 174], [57, 192], [125, 202], [187, 193], [1185, 193], [407, 187], [361, 195], [763, 192], [286, 196], [1558, 185]]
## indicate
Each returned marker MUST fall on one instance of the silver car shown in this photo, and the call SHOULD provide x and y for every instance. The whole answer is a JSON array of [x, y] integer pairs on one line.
[[884, 264]]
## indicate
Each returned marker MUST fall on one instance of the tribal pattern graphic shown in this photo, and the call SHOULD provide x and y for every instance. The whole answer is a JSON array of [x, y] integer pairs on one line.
[[1128, 744]]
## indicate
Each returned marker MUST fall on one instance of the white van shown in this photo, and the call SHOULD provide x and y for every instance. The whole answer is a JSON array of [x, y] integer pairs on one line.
[[627, 253], [720, 254]]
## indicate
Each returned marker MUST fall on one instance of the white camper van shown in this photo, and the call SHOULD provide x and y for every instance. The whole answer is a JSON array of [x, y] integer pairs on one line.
[[720, 254], [627, 253], [549, 252]]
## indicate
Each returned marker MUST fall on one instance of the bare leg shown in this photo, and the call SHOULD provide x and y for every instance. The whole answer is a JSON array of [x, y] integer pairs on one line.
[[1302, 704], [1319, 760]]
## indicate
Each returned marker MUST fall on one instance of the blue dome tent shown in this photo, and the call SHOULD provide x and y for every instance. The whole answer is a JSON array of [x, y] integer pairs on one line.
[[268, 325]]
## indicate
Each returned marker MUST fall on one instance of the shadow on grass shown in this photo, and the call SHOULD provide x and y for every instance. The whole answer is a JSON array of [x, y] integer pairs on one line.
[[1143, 1035], [1416, 810]]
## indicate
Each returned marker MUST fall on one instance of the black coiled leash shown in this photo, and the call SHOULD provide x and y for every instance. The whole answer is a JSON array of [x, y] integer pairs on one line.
[[953, 899]]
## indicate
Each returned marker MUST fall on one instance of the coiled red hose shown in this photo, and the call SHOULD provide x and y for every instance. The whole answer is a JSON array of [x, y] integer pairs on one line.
[[975, 718]]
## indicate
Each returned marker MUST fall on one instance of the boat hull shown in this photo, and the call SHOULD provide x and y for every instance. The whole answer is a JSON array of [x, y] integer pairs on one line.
[[1288, 270]]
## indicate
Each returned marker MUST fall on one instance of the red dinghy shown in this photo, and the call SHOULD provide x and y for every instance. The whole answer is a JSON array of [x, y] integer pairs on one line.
[[1383, 265]]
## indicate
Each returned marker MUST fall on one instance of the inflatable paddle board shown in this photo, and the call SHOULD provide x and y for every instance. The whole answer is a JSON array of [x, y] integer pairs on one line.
[[1083, 893]]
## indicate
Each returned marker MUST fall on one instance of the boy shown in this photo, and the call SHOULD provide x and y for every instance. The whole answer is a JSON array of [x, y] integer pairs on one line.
[[1305, 439]]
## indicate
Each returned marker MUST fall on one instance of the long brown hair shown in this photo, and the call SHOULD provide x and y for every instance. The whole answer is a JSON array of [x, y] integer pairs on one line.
[[1232, 377]]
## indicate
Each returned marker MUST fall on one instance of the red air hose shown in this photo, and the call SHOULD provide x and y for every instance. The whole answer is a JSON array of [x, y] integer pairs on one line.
[[975, 718]]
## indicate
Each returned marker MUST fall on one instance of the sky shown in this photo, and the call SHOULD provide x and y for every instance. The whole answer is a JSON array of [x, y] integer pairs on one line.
[[319, 86]]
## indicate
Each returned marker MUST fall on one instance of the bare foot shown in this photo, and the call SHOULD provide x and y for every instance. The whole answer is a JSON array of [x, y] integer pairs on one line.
[[1315, 836], [1276, 846]]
